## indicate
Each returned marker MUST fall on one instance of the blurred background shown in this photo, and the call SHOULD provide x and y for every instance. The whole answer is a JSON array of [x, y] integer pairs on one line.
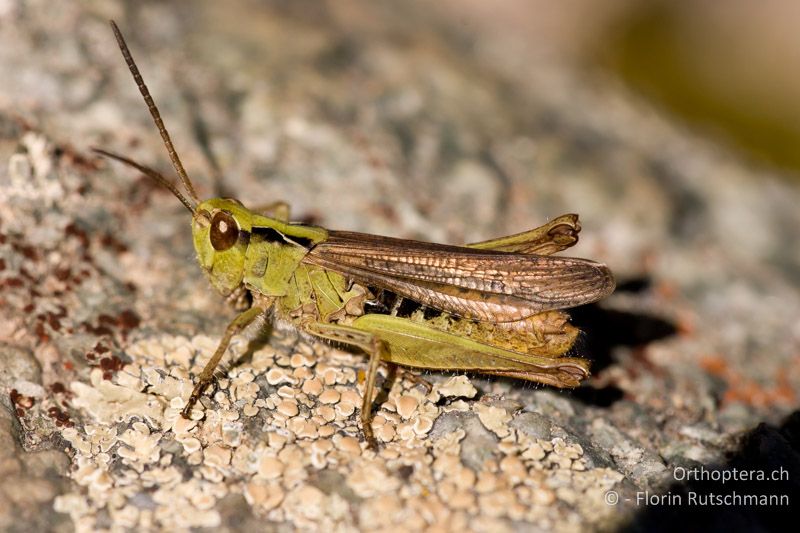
[[728, 69]]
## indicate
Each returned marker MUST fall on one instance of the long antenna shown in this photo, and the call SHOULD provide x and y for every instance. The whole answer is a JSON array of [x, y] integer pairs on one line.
[[149, 172], [173, 155]]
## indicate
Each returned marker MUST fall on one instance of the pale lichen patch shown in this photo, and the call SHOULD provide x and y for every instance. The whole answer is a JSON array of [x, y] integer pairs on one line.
[[455, 386], [108, 402], [278, 425], [495, 419]]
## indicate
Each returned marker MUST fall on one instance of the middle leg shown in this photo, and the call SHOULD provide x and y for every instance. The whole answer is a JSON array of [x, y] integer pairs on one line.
[[373, 346]]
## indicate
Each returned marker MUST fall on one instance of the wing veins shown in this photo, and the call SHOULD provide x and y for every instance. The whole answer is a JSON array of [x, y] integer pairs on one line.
[[481, 284]]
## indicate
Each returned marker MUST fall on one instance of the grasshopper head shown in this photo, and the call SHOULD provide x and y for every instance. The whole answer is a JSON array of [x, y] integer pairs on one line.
[[221, 233], [220, 226], [220, 230]]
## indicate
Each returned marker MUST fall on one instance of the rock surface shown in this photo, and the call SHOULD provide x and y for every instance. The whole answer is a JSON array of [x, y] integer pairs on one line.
[[381, 120]]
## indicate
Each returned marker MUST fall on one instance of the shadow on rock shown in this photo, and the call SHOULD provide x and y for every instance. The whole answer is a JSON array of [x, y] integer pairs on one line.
[[744, 503], [606, 329]]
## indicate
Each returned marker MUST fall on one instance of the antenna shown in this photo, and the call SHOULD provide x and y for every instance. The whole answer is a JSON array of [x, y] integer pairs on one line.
[[173, 155], [149, 172]]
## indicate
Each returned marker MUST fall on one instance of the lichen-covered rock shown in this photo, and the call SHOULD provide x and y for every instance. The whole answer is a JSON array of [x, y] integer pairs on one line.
[[385, 123]]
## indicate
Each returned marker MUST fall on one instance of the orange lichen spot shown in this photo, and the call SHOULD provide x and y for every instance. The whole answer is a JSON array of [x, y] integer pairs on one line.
[[715, 365], [784, 392], [685, 323], [666, 290]]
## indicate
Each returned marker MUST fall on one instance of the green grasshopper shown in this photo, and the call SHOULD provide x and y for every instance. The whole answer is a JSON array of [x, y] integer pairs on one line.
[[491, 307]]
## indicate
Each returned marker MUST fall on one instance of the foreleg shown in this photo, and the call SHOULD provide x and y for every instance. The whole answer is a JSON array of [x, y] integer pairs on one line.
[[238, 324]]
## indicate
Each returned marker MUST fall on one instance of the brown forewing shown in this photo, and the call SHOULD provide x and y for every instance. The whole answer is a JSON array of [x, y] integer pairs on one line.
[[480, 284]]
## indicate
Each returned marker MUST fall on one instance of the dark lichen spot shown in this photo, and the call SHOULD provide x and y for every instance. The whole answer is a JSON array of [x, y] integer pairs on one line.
[[405, 471], [29, 252], [20, 400], [63, 273], [111, 242], [53, 321], [111, 365], [72, 230], [61, 418], [129, 320], [41, 334], [96, 330]]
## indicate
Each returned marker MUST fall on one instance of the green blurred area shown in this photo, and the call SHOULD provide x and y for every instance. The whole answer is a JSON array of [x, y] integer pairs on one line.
[[649, 49]]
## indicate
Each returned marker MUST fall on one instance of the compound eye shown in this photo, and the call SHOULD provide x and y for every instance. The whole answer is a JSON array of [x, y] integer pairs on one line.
[[224, 231]]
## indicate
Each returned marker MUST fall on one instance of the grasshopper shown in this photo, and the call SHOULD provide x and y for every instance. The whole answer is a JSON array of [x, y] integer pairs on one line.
[[492, 307]]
